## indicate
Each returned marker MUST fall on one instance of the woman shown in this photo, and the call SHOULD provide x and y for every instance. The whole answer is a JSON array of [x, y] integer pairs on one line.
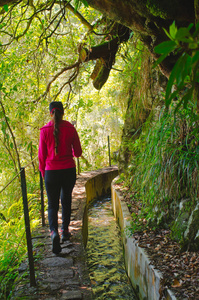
[[59, 142]]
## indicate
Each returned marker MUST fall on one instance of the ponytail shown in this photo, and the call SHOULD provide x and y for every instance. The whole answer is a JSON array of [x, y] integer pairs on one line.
[[57, 117]]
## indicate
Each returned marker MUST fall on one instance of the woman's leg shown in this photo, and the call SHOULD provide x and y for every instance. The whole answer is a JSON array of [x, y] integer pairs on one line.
[[68, 182], [53, 188]]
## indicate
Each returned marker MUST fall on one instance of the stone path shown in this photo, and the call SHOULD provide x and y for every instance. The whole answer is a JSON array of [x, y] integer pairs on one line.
[[62, 276]]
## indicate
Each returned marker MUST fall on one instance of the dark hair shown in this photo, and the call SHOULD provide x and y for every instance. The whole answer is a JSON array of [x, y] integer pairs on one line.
[[57, 111], [56, 105]]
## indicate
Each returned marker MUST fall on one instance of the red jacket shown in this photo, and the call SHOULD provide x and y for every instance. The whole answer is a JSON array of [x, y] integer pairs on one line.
[[69, 146]]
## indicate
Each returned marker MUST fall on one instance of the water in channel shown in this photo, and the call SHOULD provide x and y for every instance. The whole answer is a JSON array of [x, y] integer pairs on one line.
[[105, 254]]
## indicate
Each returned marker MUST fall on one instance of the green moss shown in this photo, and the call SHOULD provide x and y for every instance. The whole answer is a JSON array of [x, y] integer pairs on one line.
[[101, 74], [158, 8], [179, 226]]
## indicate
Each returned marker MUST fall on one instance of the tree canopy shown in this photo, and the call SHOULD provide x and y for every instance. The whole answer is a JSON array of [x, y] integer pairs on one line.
[[145, 18]]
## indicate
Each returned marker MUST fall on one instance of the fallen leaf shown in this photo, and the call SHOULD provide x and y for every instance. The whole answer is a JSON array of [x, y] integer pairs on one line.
[[176, 283], [158, 247], [186, 275]]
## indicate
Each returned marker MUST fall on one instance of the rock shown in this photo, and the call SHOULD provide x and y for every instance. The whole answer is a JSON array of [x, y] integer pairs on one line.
[[191, 234], [180, 224], [62, 274], [57, 262], [69, 295], [23, 267]]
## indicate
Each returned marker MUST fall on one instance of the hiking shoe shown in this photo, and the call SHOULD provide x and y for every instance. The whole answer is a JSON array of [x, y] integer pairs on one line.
[[56, 248], [65, 235]]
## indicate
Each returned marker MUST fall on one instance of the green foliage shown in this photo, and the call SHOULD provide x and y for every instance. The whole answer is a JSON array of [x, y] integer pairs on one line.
[[78, 3], [23, 78], [5, 7], [164, 165], [13, 247], [185, 75]]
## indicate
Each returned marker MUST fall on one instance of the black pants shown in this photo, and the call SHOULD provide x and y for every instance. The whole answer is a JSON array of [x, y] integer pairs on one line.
[[59, 182]]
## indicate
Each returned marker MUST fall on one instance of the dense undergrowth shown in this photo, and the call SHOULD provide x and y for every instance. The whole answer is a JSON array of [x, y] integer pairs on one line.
[[163, 172]]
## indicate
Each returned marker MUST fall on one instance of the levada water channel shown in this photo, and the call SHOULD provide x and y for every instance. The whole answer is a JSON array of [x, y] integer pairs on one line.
[[105, 254]]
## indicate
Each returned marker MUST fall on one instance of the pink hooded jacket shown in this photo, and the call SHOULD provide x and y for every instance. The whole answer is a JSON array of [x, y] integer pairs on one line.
[[69, 146]]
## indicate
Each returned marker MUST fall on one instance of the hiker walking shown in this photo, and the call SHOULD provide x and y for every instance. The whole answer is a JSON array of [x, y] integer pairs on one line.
[[58, 144]]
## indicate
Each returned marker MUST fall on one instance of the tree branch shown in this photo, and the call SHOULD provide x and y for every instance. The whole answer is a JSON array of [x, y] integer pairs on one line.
[[72, 77], [9, 152], [8, 2], [79, 16]]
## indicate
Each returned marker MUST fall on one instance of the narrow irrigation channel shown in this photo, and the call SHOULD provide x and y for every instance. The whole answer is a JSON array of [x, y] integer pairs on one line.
[[105, 254]]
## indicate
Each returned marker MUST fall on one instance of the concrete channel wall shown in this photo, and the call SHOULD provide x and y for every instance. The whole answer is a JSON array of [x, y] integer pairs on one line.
[[146, 280], [100, 185], [97, 186]]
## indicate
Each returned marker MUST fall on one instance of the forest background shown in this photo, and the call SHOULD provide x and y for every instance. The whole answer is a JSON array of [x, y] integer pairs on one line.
[[111, 84]]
